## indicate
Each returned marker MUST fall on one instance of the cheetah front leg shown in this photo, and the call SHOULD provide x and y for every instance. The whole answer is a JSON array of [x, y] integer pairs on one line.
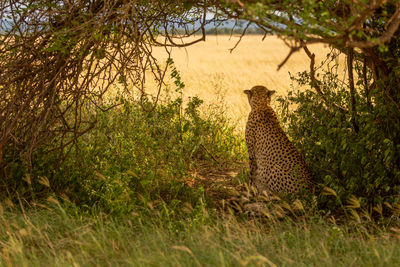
[[253, 169], [250, 140]]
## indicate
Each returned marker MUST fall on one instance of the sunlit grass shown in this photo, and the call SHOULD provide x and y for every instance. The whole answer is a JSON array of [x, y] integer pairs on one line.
[[64, 238], [210, 70]]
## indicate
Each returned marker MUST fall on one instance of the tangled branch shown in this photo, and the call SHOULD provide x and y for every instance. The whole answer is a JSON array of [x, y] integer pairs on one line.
[[58, 59]]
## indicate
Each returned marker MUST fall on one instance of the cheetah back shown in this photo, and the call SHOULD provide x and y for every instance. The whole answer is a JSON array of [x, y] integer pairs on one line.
[[275, 164]]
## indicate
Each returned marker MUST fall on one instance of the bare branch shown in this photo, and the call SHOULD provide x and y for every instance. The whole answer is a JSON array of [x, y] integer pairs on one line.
[[365, 82], [352, 90], [385, 37], [240, 38], [317, 84], [293, 49]]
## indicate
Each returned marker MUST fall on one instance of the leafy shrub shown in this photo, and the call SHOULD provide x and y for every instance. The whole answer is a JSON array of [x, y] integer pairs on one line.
[[363, 162], [136, 157], [154, 152]]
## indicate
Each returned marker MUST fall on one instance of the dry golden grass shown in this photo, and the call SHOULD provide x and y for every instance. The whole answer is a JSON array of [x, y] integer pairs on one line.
[[210, 71]]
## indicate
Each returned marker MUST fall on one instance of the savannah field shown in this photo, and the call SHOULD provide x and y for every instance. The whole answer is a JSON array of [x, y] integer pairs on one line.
[[210, 71]]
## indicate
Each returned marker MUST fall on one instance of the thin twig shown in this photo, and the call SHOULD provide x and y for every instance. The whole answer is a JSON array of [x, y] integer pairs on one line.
[[211, 155], [352, 90], [240, 38], [293, 50], [365, 81], [317, 84]]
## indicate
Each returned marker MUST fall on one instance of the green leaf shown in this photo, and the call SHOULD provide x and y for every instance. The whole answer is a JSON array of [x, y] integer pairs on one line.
[[188, 5], [100, 54]]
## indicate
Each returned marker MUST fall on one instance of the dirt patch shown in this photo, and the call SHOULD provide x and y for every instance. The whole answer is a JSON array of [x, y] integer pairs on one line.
[[219, 184]]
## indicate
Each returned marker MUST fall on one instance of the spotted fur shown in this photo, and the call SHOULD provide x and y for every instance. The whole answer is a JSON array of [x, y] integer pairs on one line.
[[275, 164]]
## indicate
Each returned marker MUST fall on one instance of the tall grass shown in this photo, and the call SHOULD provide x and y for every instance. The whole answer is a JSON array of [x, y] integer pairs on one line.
[[67, 238]]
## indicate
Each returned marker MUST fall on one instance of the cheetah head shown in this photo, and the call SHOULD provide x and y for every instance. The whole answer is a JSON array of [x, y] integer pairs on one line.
[[259, 96]]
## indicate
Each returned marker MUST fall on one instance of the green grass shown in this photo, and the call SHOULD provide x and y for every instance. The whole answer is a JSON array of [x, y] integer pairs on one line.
[[68, 238]]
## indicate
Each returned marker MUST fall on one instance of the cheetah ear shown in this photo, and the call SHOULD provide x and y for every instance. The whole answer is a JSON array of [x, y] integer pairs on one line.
[[247, 92], [271, 92]]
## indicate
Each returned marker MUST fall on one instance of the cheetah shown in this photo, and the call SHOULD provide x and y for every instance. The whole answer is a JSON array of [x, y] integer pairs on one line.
[[275, 164]]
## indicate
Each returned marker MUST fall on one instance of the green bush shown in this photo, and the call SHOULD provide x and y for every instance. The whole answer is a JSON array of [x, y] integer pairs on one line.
[[150, 154], [137, 156], [364, 162]]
